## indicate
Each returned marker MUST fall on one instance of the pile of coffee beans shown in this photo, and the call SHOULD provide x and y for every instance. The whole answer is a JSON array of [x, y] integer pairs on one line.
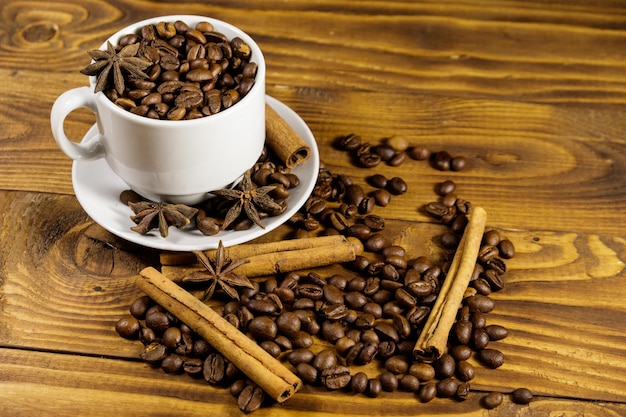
[[370, 312], [195, 72]]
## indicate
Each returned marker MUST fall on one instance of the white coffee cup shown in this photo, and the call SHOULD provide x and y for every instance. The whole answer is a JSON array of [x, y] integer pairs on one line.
[[165, 160]]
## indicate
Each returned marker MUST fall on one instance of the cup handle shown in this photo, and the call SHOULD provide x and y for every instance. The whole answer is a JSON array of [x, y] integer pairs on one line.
[[80, 97]]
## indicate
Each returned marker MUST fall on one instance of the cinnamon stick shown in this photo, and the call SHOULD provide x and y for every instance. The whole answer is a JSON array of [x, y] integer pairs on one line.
[[246, 250], [432, 341], [278, 257], [262, 368], [284, 140]]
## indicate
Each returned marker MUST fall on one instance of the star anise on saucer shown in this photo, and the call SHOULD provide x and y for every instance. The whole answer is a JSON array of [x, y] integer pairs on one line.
[[109, 61], [220, 272], [249, 199], [150, 215]]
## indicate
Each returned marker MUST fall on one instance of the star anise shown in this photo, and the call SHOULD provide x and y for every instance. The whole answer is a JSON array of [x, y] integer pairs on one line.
[[109, 61], [220, 271], [150, 215], [249, 199]]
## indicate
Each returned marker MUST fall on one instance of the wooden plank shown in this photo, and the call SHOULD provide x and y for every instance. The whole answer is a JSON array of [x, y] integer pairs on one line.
[[59, 385], [552, 156], [64, 287]]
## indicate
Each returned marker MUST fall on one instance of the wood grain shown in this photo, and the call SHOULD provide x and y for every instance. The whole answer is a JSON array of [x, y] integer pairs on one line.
[[555, 303], [531, 92], [52, 384]]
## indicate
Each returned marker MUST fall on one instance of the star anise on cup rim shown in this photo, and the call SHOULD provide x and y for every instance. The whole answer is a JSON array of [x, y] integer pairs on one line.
[[220, 272], [109, 61], [150, 215], [249, 199]]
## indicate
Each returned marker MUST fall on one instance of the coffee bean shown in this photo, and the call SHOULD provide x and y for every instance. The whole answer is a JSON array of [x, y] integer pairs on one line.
[[464, 371], [418, 314], [450, 240], [491, 238], [480, 303], [326, 358], [302, 339], [158, 321], [147, 336], [458, 163], [409, 383], [377, 180], [271, 347], [422, 371], [359, 230], [251, 398], [237, 387], [338, 221], [365, 321], [492, 400], [172, 364], [335, 377], [382, 197], [437, 210], [506, 249], [297, 356], [447, 387], [491, 357], [332, 331], [312, 291], [288, 323], [388, 381], [522, 396], [307, 373], [385, 152], [481, 286], [405, 298], [462, 391], [374, 222], [374, 387], [496, 332], [127, 327], [369, 160], [444, 366], [497, 265], [154, 352], [397, 364], [367, 353], [462, 331], [376, 242], [419, 153], [460, 352], [263, 328], [397, 186], [480, 338], [441, 160], [172, 337], [350, 142], [445, 187], [367, 205], [402, 325], [193, 366], [214, 368], [386, 331]]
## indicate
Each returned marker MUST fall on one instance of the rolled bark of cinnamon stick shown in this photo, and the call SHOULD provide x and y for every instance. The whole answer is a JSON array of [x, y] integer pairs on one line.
[[284, 140], [433, 339], [246, 250], [274, 258], [262, 368]]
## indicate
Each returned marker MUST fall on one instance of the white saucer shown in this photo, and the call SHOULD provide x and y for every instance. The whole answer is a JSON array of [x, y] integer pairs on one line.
[[97, 189]]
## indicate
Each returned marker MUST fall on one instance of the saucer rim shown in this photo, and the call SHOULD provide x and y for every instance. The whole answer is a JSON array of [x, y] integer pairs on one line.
[[114, 214]]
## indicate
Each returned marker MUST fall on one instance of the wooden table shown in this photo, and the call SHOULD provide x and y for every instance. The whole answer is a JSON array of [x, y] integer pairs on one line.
[[531, 92]]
